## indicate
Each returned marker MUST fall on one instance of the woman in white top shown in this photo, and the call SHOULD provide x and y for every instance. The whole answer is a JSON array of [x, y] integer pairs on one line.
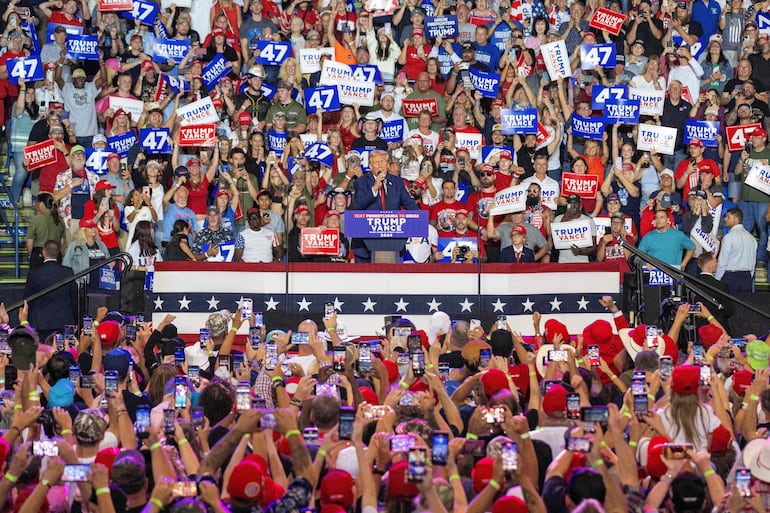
[[138, 208], [383, 51], [650, 77], [142, 248]]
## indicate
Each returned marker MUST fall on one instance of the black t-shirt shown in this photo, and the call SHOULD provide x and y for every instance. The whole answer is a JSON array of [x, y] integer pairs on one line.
[[362, 143], [454, 358], [676, 115], [652, 44]]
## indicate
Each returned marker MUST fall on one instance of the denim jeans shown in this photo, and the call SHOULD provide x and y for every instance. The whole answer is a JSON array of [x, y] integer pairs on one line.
[[754, 216], [671, 161], [21, 178]]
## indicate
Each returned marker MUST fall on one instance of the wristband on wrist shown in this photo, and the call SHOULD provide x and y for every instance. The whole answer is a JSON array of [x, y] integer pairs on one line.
[[24, 323], [10, 477], [154, 446], [234, 329], [102, 491], [709, 472], [155, 501], [66, 431], [182, 441], [633, 443], [532, 374], [709, 319], [494, 484], [17, 407], [292, 432], [322, 453], [277, 378], [598, 463], [754, 397], [627, 414], [331, 330], [454, 477], [471, 436], [403, 385], [525, 435], [651, 397]]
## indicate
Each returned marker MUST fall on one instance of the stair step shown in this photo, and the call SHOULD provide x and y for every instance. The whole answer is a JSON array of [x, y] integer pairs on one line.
[[10, 281], [22, 265]]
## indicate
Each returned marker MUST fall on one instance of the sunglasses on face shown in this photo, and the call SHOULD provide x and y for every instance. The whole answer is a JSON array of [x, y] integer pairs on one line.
[[487, 174]]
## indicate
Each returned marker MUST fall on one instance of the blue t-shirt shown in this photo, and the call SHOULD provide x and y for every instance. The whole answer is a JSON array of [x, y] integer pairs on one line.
[[170, 217], [668, 246], [487, 54]]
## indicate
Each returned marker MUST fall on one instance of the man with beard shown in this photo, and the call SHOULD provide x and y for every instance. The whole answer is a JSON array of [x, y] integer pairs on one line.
[[743, 73], [549, 188], [256, 243], [525, 155], [293, 244], [746, 95], [537, 214], [422, 91], [573, 213], [206, 244], [480, 201], [252, 100]]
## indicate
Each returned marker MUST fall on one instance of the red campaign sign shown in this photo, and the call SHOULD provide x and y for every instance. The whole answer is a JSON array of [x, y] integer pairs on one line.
[[738, 135], [542, 133], [611, 21], [412, 108], [198, 135], [584, 186], [522, 66], [40, 154], [480, 20], [320, 241], [115, 5]]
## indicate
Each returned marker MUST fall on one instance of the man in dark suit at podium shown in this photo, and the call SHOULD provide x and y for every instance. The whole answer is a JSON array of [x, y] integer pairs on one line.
[[57, 308], [707, 262], [378, 190]]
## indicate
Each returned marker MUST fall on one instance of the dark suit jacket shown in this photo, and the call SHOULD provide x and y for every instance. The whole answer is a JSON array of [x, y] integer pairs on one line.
[[508, 255], [723, 315], [56, 308], [396, 198]]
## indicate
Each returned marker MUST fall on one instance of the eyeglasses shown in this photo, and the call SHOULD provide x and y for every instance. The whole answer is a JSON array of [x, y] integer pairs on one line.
[[487, 174]]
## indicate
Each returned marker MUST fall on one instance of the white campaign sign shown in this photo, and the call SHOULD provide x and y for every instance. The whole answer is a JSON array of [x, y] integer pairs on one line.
[[572, 233], [512, 199], [662, 138], [310, 58], [759, 178], [471, 142], [556, 59], [650, 101], [353, 91], [333, 71], [133, 107], [202, 111]]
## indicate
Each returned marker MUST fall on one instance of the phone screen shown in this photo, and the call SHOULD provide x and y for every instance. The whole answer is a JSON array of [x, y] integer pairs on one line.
[[416, 465], [364, 358], [743, 481], [414, 344], [142, 423], [666, 367], [180, 392], [169, 416], [347, 416], [485, 355], [510, 457], [246, 308], [641, 404], [271, 356], [594, 414], [573, 406], [111, 382], [338, 359], [243, 396], [440, 448], [196, 417], [593, 355], [300, 338], [418, 364], [130, 333], [76, 473]]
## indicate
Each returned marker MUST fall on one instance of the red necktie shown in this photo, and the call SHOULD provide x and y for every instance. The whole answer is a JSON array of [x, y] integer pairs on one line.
[[382, 195]]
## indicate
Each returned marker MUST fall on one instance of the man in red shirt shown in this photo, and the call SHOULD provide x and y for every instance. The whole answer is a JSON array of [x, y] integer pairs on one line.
[[481, 201], [609, 244], [462, 231], [688, 172], [48, 173], [66, 12], [442, 214], [15, 51]]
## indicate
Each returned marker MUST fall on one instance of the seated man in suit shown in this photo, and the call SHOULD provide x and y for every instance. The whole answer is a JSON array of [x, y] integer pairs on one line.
[[58, 308], [517, 253], [378, 190]]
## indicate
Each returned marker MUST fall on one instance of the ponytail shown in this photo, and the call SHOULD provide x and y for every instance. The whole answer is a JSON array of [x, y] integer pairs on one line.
[[51, 206]]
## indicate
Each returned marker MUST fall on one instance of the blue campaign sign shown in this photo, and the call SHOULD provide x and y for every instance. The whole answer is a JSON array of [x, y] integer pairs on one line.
[[489, 151], [83, 47], [622, 111], [367, 73], [176, 84], [428, 7], [120, 144], [273, 52], [393, 131], [165, 50], [320, 152], [155, 140], [268, 91], [763, 20], [485, 83], [29, 29], [706, 131], [657, 277], [159, 28], [446, 246], [144, 11], [72, 30], [588, 128], [600, 94], [373, 224], [214, 70], [26, 69], [519, 121], [441, 26], [276, 141], [96, 161], [602, 55], [324, 98], [697, 49]]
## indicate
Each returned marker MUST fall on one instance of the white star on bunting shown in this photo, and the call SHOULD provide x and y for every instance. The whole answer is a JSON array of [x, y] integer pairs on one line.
[[158, 303], [583, 303], [213, 303], [499, 305], [369, 304], [433, 305], [271, 304], [338, 304], [556, 304], [304, 304], [184, 303], [528, 305], [466, 305], [401, 305]]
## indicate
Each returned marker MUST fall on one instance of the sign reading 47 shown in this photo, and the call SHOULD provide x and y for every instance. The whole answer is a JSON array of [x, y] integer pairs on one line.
[[25, 69], [155, 140]]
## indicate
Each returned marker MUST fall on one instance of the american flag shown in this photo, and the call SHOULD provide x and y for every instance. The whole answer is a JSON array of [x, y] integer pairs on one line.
[[364, 294]]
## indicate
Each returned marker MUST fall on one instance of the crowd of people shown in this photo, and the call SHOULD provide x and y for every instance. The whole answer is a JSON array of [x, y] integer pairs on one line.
[[115, 414]]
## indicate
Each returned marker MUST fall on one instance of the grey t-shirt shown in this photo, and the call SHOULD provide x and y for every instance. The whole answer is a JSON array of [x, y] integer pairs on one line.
[[81, 104], [535, 238]]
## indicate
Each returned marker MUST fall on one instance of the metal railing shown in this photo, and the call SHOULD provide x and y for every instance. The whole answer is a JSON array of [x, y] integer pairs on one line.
[[13, 230], [124, 258]]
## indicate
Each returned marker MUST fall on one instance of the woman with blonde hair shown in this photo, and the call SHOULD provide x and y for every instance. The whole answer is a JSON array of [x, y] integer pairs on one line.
[[290, 72]]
